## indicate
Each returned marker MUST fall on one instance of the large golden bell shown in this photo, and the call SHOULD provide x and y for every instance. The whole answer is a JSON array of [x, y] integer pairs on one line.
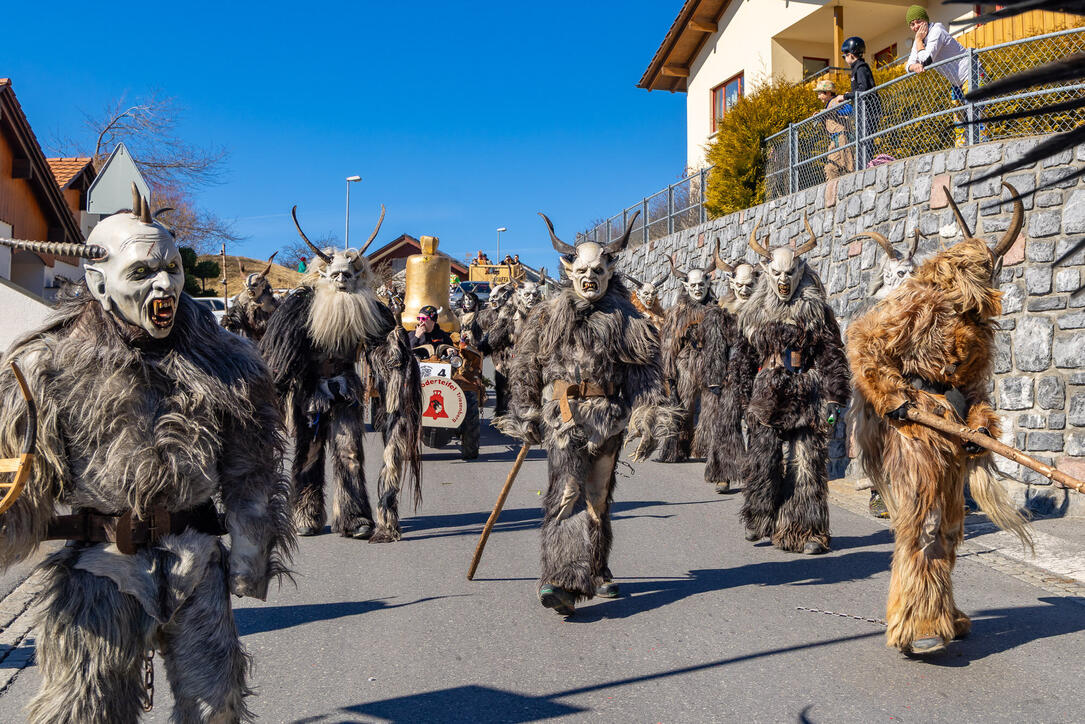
[[428, 277]]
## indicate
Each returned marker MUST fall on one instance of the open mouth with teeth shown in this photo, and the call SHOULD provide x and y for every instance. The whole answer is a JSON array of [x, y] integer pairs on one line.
[[162, 311], [784, 289], [589, 285]]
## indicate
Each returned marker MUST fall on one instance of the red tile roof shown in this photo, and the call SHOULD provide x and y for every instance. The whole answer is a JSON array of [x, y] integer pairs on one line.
[[66, 169]]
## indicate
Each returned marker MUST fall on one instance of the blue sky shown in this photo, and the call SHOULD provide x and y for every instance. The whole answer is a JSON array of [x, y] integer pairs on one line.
[[460, 117]]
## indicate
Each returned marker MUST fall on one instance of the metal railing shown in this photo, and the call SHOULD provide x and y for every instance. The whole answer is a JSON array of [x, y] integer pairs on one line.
[[675, 208], [921, 113]]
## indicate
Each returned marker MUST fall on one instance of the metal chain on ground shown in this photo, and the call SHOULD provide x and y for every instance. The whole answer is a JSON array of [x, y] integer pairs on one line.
[[877, 621], [620, 473], [148, 680]]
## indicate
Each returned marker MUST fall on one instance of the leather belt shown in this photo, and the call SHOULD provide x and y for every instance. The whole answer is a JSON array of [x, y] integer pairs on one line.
[[131, 533], [789, 358], [565, 391]]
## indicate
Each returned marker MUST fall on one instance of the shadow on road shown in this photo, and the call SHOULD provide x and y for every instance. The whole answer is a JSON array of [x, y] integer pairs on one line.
[[260, 619], [488, 705]]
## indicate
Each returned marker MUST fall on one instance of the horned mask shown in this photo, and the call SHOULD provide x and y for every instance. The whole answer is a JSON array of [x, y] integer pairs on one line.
[[258, 287], [135, 268], [784, 267], [741, 277], [648, 291], [469, 302], [591, 264], [1003, 245], [348, 270], [897, 266], [697, 282]]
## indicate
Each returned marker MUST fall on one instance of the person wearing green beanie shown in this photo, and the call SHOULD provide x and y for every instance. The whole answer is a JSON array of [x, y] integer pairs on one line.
[[933, 44]]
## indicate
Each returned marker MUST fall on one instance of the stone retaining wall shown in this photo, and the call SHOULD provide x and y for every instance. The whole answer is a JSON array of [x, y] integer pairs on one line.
[[1040, 359]]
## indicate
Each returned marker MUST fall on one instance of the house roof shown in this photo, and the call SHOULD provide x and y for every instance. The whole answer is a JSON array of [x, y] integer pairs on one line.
[[695, 24], [406, 245], [65, 170], [39, 175]]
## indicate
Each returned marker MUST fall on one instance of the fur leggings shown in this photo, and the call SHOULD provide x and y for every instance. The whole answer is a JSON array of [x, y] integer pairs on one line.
[[343, 429], [93, 638], [928, 491], [786, 492], [719, 434], [678, 448], [576, 533]]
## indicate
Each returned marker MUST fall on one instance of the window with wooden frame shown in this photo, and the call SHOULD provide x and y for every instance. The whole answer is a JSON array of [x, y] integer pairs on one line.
[[724, 97], [885, 56], [813, 65]]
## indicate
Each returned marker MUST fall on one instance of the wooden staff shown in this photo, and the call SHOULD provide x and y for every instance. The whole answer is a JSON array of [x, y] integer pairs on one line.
[[497, 511], [956, 429]]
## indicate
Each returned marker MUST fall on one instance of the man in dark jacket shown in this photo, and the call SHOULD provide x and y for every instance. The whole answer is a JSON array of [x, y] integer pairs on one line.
[[862, 79], [428, 331]]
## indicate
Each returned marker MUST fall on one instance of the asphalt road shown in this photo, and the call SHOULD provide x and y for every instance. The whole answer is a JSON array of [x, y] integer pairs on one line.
[[709, 627]]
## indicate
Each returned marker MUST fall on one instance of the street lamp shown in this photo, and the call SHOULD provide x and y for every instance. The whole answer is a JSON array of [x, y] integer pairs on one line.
[[350, 180], [499, 230]]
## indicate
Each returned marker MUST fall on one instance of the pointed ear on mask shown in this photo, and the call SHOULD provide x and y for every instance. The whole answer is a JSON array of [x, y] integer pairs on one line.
[[96, 287]]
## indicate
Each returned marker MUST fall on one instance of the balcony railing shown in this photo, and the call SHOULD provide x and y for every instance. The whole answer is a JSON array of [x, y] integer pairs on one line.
[[677, 207]]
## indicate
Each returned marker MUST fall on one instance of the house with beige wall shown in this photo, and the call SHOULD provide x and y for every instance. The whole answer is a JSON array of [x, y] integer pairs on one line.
[[716, 49]]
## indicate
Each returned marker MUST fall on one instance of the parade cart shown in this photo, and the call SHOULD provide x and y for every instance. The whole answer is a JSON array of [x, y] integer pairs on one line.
[[451, 391]]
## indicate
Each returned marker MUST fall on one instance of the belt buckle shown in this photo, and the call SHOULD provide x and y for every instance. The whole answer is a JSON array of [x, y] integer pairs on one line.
[[126, 533]]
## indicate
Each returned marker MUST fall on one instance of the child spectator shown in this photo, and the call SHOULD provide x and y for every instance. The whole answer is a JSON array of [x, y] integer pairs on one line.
[[843, 161], [862, 79]]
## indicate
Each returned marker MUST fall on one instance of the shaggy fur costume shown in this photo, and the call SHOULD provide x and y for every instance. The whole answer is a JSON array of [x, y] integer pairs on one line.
[[607, 343], [248, 317], [128, 422], [785, 470], [313, 356], [683, 341], [935, 326], [502, 328], [727, 382]]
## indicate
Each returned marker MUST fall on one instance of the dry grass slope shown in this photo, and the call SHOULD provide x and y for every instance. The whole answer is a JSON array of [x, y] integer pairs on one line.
[[280, 277]]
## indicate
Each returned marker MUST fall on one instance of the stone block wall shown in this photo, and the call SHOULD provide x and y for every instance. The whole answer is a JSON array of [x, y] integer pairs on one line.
[[1040, 360]]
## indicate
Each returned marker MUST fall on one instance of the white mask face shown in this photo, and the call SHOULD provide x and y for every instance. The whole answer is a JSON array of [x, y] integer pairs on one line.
[[590, 271], [894, 272], [141, 279], [697, 285], [742, 282], [785, 270], [647, 294]]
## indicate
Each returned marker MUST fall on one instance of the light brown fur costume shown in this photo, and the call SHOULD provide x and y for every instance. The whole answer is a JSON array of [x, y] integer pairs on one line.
[[653, 314], [936, 326]]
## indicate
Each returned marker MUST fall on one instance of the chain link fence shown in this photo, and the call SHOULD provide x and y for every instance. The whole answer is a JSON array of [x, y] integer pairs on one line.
[[675, 208], [920, 113]]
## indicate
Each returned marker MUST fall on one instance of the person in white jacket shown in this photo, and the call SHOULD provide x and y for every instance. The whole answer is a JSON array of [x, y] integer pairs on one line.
[[933, 44]]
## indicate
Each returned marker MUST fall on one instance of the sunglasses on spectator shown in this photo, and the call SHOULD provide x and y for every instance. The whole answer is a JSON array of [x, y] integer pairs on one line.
[[424, 318]]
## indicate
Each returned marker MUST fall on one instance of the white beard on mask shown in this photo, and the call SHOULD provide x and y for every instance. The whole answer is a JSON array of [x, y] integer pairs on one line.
[[339, 321]]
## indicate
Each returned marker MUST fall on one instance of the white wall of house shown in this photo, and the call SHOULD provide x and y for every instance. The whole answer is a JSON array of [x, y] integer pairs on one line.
[[759, 38], [22, 312]]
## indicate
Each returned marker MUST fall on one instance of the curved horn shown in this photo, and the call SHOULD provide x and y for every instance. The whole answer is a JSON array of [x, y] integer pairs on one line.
[[813, 238], [560, 246], [957, 213], [659, 280], [615, 247], [374, 234], [756, 246], [882, 242], [57, 248], [633, 279], [677, 274], [1016, 223], [720, 263], [913, 245], [136, 199], [145, 211], [161, 211], [268, 267], [294, 213]]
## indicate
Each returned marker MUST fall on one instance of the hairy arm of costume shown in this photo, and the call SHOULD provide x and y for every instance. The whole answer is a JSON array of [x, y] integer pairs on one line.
[[668, 344], [980, 412], [397, 369], [875, 343], [524, 418], [652, 417], [286, 345], [255, 493], [832, 363], [24, 525], [499, 337], [231, 321]]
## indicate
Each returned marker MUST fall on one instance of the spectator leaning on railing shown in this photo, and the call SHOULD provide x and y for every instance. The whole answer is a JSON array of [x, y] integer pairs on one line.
[[843, 161], [933, 44]]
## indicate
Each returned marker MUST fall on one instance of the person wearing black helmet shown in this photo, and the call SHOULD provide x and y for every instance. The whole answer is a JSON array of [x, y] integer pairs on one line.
[[428, 330], [862, 79]]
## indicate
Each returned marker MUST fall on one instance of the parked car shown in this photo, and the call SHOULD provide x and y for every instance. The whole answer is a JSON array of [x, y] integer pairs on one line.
[[215, 304]]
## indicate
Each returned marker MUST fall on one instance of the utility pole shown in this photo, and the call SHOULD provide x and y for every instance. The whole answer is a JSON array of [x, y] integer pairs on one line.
[[225, 293]]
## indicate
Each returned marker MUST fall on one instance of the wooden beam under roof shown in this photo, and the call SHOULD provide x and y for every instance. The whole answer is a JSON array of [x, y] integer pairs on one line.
[[676, 71], [705, 26]]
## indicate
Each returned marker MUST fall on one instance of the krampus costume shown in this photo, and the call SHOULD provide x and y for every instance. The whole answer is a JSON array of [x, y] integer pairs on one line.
[[646, 299], [800, 383], [514, 304], [253, 306], [469, 309], [682, 339], [727, 382], [930, 345], [586, 368], [149, 417], [313, 344]]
